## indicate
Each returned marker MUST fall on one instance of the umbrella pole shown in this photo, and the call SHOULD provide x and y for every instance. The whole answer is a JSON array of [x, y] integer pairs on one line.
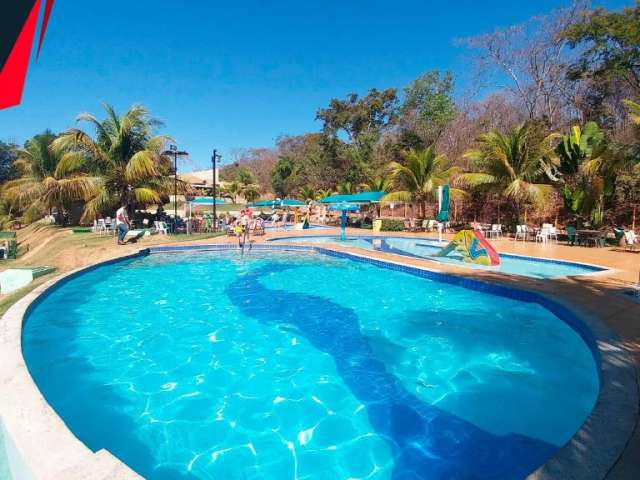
[[343, 226]]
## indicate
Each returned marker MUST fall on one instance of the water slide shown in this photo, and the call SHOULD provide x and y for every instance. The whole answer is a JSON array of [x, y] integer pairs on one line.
[[473, 247]]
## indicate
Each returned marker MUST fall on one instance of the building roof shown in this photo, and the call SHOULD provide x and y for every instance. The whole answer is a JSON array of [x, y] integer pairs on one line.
[[199, 177]]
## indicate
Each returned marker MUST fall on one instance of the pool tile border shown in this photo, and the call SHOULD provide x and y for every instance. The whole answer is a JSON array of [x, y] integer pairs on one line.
[[48, 450]]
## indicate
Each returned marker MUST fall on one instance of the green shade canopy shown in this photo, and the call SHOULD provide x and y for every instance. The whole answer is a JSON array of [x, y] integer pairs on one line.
[[362, 197], [277, 202]]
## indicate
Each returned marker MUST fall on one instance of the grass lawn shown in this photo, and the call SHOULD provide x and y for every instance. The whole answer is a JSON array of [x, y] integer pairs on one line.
[[41, 245]]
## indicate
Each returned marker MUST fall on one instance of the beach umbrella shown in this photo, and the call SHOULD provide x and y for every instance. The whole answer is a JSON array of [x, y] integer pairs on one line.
[[344, 208]]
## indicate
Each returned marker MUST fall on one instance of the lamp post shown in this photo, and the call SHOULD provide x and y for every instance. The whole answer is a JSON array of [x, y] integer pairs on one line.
[[173, 150], [215, 157]]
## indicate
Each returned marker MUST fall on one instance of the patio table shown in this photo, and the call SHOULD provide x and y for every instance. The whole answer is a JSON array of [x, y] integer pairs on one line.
[[585, 235]]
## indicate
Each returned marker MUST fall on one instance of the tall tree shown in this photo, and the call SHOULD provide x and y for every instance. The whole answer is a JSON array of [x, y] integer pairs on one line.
[[610, 45], [41, 185], [418, 180], [231, 190], [251, 192], [282, 176], [582, 188], [124, 155], [356, 115], [428, 106], [8, 154], [528, 60], [351, 129], [513, 164]]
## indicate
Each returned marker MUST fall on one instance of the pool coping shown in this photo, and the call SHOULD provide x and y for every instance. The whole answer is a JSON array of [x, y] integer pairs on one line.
[[47, 449]]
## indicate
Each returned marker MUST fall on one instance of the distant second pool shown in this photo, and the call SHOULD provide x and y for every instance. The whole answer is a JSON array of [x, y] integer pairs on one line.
[[426, 248]]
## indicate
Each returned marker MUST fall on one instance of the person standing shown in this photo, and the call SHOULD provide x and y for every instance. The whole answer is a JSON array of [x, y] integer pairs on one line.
[[122, 224]]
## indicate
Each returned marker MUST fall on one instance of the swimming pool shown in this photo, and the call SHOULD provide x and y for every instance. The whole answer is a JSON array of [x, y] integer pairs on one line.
[[291, 228], [281, 365], [426, 248]]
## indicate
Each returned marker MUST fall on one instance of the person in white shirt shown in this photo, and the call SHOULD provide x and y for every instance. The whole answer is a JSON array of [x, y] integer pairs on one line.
[[122, 224]]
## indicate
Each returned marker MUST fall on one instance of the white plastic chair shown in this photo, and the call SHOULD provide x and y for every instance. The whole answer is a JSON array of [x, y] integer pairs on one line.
[[161, 227], [496, 231], [553, 233], [542, 235], [110, 225], [101, 227]]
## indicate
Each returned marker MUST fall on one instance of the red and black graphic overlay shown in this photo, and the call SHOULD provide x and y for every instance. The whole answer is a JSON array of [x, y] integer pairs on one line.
[[18, 23]]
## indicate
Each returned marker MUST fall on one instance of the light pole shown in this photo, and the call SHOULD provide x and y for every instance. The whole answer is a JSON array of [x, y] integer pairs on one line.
[[173, 150], [215, 157]]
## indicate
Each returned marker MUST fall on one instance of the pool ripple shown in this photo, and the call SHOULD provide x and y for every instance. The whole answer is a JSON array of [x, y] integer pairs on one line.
[[427, 442]]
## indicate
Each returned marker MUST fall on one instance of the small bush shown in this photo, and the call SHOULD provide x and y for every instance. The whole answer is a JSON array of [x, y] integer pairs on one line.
[[389, 225]]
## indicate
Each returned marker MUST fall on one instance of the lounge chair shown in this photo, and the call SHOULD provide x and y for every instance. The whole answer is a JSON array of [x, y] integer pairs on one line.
[[258, 228]]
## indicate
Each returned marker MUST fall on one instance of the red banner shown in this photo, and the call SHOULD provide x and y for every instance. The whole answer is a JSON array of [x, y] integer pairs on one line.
[[18, 27]]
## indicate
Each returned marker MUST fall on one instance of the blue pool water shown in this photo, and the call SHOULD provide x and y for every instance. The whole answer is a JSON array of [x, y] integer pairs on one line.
[[291, 228], [426, 248], [304, 366]]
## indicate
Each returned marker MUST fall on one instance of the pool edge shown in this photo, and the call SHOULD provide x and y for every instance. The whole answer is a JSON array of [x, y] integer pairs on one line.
[[591, 452]]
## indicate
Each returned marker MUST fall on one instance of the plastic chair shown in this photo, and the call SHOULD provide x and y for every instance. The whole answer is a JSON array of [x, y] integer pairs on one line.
[[543, 235], [161, 227]]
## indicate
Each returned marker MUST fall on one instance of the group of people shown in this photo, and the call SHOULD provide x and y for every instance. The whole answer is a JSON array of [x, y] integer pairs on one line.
[[243, 225]]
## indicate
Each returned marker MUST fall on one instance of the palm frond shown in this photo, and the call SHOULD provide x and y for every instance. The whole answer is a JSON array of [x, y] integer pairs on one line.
[[401, 196], [476, 179], [146, 196], [70, 162], [140, 166]]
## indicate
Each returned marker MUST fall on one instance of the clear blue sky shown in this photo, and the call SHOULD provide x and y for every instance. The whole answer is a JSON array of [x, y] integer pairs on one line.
[[239, 73]]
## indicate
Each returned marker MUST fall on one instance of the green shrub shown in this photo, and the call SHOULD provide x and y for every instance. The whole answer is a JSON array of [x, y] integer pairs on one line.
[[389, 225]]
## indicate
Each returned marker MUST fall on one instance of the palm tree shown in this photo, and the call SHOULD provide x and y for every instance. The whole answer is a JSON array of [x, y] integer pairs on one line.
[[42, 186], [346, 188], [251, 192], [231, 190], [419, 179], [580, 158], [125, 156], [308, 193], [513, 165], [323, 193], [378, 184]]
